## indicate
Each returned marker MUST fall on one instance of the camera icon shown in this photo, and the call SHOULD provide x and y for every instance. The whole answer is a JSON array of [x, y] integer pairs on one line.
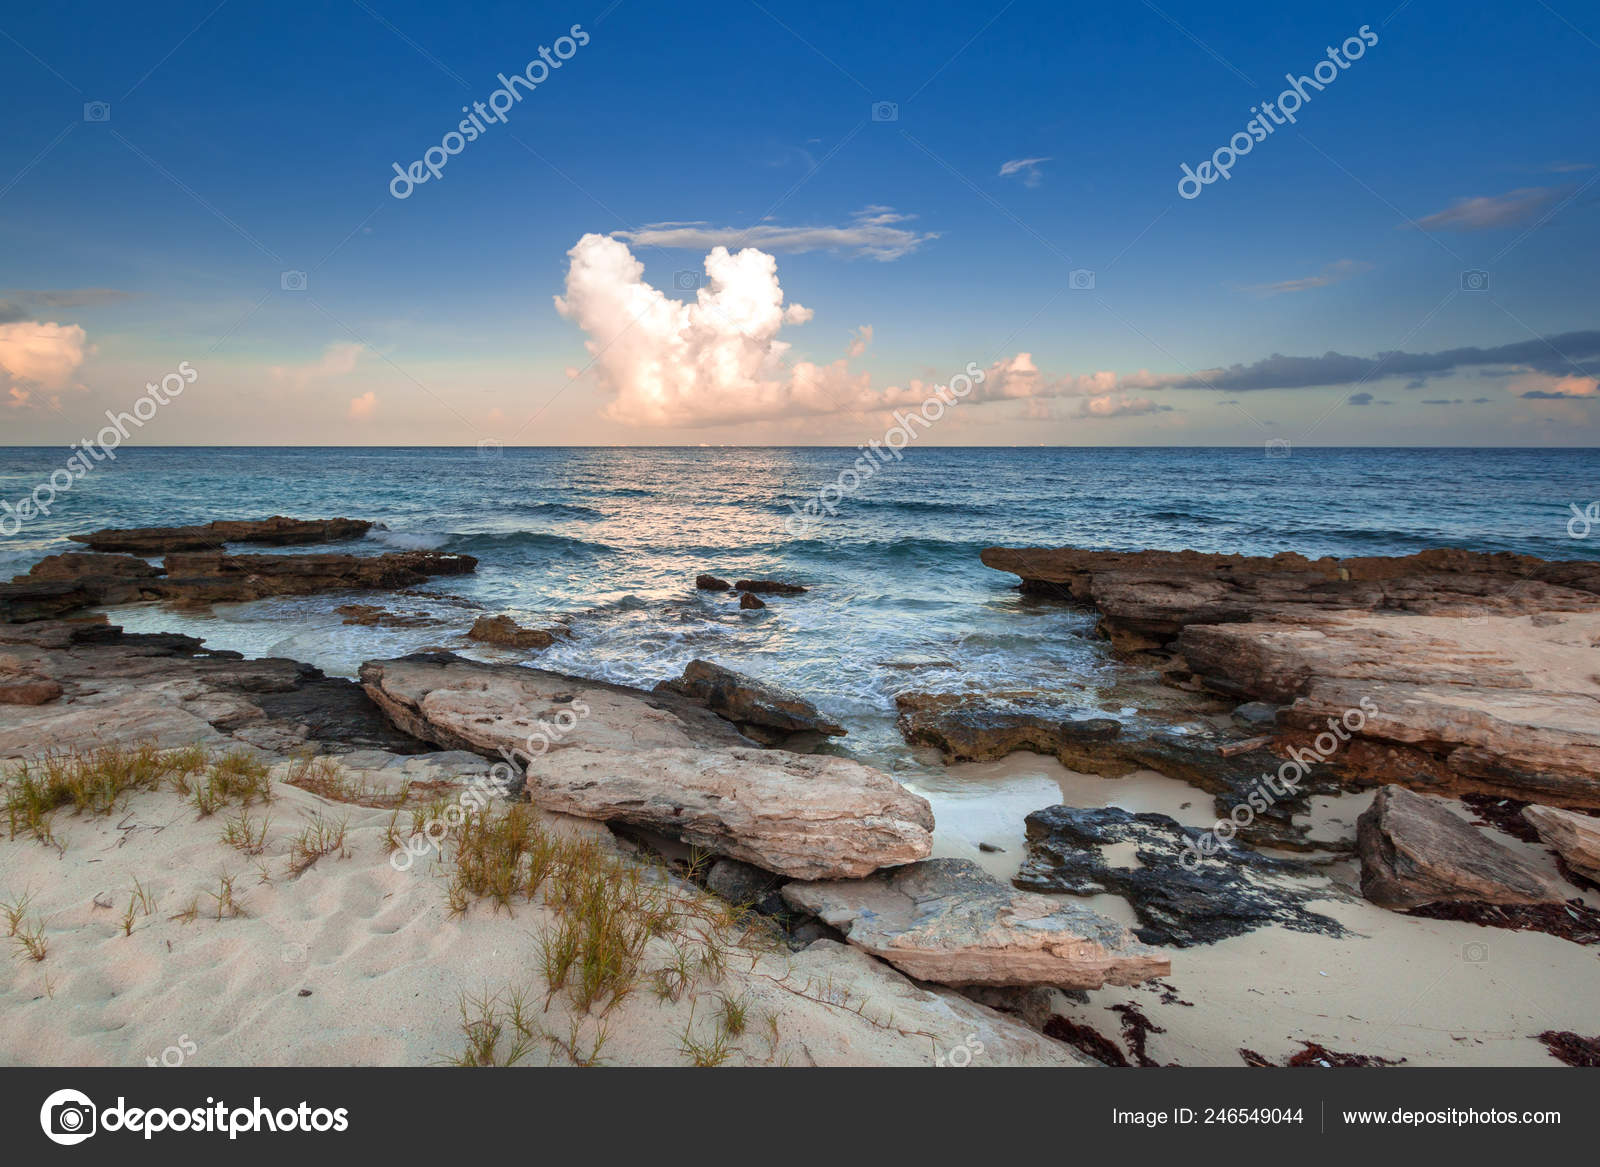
[[685, 281], [490, 448], [1278, 447], [293, 281], [97, 111], [1475, 953], [885, 111], [1080, 279], [67, 1117], [1475, 281], [293, 954]]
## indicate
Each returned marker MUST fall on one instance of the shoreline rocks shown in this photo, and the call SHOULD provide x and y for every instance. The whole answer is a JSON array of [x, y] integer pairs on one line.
[[507, 633], [1415, 851], [661, 762], [276, 531], [769, 587], [61, 584], [948, 922], [1575, 837], [764, 712], [1475, 671]]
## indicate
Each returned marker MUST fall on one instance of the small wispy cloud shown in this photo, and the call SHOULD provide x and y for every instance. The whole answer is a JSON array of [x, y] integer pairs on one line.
[[1028, 168], [1485, 213], [874, 232], [1333, 273], [362, 408], [337, 360]]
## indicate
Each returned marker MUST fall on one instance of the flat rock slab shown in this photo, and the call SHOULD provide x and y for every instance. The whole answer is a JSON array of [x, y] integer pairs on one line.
[[1414, 850], [660, 761], [1575, 837], [949, 922], [981, 731], [1181, 894], [748, 702], [277, 531]]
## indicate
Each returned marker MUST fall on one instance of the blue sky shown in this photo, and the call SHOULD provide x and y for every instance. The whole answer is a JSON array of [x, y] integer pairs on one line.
[[245, 140]]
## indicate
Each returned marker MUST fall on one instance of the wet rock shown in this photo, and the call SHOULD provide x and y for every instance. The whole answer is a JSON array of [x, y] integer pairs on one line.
[[967, 731], [769, 587], [749, 703], [1575, 837], [1415, 851], [276, 531], [751, 602], [507, 633], [710, 583], [372, 615], [1182, 894], [947, 921]]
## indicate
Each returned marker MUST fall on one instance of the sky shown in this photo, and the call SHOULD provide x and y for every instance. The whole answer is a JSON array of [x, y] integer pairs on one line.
[[368, 222]]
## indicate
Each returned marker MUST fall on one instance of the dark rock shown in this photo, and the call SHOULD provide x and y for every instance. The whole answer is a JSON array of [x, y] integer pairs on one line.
[[276, 531], [990, 848], [751, 602], [982, 732], [746, 885], [1256, 715], [1415, 851], [1182, 895], [747, 702], [769, 587], [710, 583]]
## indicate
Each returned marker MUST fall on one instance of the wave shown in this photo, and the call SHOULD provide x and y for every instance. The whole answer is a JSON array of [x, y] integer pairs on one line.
[[556, 510], [408, 540]]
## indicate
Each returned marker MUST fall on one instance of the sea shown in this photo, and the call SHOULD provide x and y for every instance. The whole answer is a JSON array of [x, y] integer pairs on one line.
[[608, 541]]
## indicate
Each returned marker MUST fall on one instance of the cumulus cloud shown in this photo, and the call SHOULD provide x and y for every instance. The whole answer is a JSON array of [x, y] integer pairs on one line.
[[1333, 273], [873, 232], [38, 355], [337, 360], [1485, 213], [362, 408], [1028, 168]]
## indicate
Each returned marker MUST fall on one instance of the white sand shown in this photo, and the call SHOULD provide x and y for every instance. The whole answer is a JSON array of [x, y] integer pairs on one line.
[[385, 964], [1431, 991]]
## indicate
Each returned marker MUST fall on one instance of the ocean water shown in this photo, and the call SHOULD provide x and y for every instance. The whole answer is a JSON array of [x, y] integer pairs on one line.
[[608, 542]]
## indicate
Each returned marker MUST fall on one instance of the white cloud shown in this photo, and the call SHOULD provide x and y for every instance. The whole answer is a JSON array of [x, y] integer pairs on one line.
[[37, 355], [337, 360], [1487, 212], [1028, 168], [1333, 273], [872, 232], [362, 408]]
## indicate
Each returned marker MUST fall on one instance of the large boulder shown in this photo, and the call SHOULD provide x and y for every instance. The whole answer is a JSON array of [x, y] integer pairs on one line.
[[1414, 850], [964, 729], [659, 761], [748, 703], [947, 921], [1575, 837]]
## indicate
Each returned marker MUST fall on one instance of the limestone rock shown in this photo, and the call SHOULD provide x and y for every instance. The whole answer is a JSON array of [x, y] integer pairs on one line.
[[947, 921], [1575, 837], [710, 583], [751, 602], [1415, 851], [506, 632], [659, 761]]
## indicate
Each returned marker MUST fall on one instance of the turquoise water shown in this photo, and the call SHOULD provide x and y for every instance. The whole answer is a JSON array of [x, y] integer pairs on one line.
[[609, 541]]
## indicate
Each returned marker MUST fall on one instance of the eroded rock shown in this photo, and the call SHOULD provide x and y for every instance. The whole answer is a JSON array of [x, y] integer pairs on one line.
[[506, 632], [947, 921], [1415, 851], [748, 703], [769, 587], [276, 531], [1575, 837]]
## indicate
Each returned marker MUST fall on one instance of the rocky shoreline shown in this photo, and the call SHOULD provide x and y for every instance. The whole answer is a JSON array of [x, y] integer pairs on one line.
[[1468, 672]]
